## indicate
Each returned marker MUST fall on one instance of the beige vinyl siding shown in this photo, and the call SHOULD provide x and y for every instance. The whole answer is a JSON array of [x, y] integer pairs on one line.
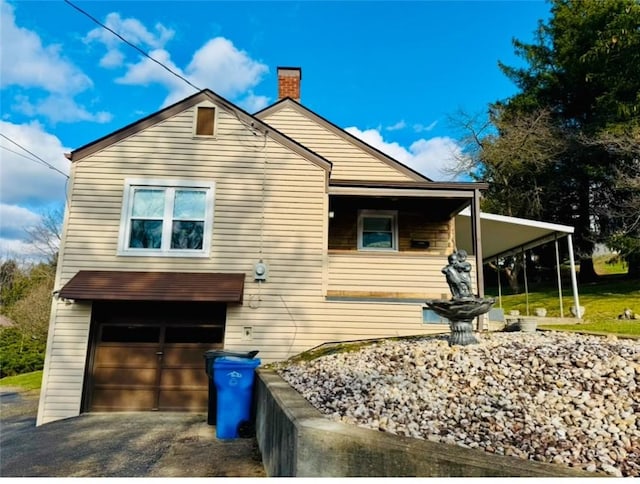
[[270, 203], [349, 161], [310, 322], [388, 275]]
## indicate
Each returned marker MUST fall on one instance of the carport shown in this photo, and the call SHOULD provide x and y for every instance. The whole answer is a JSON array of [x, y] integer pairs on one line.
[[502, 236]]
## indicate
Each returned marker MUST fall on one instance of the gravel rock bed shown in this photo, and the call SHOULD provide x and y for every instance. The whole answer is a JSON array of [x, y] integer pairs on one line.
[[547, 396]]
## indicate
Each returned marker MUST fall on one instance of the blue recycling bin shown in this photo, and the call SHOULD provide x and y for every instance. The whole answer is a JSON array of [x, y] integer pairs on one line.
[[233, 377], [209, 357]]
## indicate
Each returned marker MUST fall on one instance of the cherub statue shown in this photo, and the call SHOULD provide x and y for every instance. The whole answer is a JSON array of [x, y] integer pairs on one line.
[[458, 274]]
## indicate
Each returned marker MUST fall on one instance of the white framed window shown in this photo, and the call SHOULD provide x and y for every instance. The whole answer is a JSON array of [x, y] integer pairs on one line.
[[205, 120], [378, 230], [171, 218]]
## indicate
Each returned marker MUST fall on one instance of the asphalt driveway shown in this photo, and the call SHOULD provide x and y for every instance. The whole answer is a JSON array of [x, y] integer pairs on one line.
[[150, 444]]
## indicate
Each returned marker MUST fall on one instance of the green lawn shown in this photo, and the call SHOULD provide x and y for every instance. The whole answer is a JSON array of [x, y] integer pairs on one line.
[[603, 302], [26, 381], [607, 264]]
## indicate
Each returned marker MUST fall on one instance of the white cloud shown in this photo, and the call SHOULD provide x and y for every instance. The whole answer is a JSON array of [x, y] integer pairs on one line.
[[395, 127], [19, 250], [27, 63], [421, 128], [132, 30], [254, 103], [26, 182], [15, 220], [220, 66], [430, 157], [217, 65], [58, 109], [147, 71]]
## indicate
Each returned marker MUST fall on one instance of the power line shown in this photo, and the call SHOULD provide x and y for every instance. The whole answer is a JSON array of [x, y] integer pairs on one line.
[[95, 20], [37, 158]]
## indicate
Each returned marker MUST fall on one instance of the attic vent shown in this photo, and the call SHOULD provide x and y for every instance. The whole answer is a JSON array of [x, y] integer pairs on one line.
[[205, 121]]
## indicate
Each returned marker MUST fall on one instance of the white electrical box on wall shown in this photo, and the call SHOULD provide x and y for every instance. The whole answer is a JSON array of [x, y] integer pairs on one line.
[[260, 271]]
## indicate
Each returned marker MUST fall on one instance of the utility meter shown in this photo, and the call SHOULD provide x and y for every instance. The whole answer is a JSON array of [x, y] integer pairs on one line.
[[260, 271]]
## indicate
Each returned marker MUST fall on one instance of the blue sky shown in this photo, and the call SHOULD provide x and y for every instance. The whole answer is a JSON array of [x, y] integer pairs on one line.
[[388, 72]]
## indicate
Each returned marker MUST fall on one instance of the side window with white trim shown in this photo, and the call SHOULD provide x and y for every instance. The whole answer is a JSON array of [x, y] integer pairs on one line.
[[166, 218], [378, 230]]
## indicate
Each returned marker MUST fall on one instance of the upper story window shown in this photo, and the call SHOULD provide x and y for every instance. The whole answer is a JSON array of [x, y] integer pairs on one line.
[[205, 121], [377, 230], [166, 218]]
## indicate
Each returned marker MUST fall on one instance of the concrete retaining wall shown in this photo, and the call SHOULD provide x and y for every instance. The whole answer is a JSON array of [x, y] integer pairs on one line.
[[297, 440]]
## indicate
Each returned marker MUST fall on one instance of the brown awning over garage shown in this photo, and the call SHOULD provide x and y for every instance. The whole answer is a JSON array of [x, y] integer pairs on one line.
[[154, 286]]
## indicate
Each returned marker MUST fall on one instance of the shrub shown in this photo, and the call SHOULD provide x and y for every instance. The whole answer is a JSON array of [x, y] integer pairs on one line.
[[19, 352]]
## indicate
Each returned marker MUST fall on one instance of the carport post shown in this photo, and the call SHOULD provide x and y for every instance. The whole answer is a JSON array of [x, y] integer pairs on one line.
[[499, 283], [574, 280], [526, 285], [559, 278]]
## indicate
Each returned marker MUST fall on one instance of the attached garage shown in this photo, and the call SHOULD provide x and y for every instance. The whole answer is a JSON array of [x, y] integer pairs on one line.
[[149, 356], [149, 332]]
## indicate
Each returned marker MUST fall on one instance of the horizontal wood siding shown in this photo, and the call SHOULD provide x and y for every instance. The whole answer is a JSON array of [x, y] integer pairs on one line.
[[349, 161]]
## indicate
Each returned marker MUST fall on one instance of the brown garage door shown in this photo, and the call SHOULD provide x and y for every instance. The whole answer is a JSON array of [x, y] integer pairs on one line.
[[150, 356]]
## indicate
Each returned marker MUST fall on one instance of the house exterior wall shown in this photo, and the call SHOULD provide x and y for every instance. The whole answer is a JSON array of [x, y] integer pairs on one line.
[[343, 232], [270, 203], [349, 161]]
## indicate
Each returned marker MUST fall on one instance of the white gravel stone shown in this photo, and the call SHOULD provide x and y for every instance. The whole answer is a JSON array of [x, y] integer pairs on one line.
[[547, 396]]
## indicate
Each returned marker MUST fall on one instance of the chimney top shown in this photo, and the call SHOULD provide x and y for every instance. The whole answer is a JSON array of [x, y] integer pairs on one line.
[[289, 82]]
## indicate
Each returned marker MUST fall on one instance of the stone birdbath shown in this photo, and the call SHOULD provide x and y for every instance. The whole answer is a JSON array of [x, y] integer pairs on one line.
[[464, 306]]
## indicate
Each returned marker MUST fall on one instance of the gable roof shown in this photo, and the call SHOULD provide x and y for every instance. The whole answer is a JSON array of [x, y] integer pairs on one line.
[[244, 117], [299, 108]]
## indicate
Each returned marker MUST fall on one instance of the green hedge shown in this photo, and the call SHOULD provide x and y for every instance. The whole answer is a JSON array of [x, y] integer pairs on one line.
[[20, 353]]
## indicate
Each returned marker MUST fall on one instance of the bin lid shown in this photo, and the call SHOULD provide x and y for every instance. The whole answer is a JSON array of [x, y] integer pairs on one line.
[[235, 361], [221, 353]]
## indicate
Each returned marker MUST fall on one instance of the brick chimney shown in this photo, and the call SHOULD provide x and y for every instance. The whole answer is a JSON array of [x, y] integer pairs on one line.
[[289, 82]]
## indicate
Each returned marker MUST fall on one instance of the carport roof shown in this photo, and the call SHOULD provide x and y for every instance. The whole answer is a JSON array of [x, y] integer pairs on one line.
[[502, 235], [154, 286]]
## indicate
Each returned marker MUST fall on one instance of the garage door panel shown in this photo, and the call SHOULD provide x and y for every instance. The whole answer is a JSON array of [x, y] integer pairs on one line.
[[131, 356], [193, 377], [185, 355], [122, 399], [184, 399], [125, 376]]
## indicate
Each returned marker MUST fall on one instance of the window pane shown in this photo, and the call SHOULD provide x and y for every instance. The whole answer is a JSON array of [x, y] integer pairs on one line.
[[187, 235], [376, 224], [148, 203], [130, 334], [189, 204], [194, 334], [381, 240], [146, 234]]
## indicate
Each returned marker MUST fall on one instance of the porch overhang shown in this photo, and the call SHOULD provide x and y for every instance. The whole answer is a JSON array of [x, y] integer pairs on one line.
[[154, 286], [508, 235], [452, 197]]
